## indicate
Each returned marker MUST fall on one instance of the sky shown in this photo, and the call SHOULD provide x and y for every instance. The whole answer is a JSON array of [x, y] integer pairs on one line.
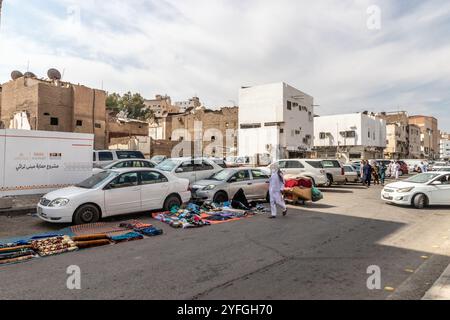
[[351, 56]]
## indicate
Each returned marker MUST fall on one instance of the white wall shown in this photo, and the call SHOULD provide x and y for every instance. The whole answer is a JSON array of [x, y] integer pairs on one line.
[[358, 122], [36, 162], [445, 148], [268, 104]]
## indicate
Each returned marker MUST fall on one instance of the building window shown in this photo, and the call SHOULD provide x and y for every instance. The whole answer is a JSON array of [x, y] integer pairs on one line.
[[54, 121], [289, 105], [251, 126], [323, 135], [46, 114], [281, 130], [79, 123], [213, 138], [98, 125]]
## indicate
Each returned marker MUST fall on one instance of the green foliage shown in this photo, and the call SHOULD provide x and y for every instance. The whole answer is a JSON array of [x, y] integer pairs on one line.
[[132, 105]]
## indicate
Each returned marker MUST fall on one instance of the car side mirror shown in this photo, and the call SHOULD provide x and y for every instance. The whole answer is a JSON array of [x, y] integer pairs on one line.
[[436, 183], [179, 170], [232, 180]]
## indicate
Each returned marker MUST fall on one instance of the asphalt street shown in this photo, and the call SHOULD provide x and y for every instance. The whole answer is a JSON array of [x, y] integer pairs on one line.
[[320, 251]]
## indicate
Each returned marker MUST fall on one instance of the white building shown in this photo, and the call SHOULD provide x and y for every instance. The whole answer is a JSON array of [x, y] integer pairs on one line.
[[275, 119], [350, 136], [445, 149]]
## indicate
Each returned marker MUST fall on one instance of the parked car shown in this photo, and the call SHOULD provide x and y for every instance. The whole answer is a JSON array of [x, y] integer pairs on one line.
[[114, 192], [158, 159], [308, 168], [102, 158], [220, 162], [188, 168], [403, 166], [351, 174], [224, 185], [443, 169], [334, 171], [419, 191], [126, 164], [437, 165]]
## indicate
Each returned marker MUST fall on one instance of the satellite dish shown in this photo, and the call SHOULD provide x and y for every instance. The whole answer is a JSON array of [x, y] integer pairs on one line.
[[54, 74], [29, 75], [16, 75]]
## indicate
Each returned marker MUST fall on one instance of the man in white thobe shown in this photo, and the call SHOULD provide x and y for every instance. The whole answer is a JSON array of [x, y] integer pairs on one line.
[[275, 189]]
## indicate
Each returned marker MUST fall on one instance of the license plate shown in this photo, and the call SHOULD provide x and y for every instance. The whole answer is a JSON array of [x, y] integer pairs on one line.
[[387, 197]]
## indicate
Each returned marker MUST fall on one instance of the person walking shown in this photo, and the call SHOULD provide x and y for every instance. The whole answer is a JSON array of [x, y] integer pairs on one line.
[[383, 169], [375, 173], [276, 187], [361, 169], [368, 174], [397, 170]]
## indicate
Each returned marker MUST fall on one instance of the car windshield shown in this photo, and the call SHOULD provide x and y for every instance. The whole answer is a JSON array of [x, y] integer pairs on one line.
[[96, 180], [158, 158], [221, 175], [444, 169], [422, 178], [167, 165]]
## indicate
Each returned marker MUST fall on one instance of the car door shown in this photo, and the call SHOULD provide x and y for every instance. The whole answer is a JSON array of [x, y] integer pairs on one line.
[[123, 194], [241, 180], [260, 183], [440, 194], [294, 167], [154, 189], [186, 171]]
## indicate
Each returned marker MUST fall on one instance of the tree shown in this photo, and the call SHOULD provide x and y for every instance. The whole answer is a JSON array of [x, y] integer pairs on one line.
[[132, 105]]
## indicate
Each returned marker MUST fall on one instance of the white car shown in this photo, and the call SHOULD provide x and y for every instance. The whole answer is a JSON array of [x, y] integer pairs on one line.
[[114, 192], [126, 164], [334, 171], [439, 165], [224, 185], [308, 168], [102, 158], [188, 168], [432, 188], [351, 174]]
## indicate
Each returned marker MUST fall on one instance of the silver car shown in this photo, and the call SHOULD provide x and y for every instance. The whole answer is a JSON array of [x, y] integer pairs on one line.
[[224, 185]]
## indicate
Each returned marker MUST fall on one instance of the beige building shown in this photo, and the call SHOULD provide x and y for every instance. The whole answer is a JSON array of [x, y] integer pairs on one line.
[[397, 127], [430, 135], [52, 105], [161, 106], [216, 129], [414, 142]]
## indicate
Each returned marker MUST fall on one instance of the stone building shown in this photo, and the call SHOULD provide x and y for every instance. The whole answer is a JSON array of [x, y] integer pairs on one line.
[[397, 133], [161, 106], [215, 130], [430, 135], [52, 105]]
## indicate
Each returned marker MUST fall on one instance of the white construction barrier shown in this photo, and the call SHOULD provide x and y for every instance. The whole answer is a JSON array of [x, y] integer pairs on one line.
[[37, 162]]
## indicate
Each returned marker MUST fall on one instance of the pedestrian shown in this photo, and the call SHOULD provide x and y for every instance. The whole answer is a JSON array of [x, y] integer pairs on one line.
[[397, 170], [375, 173], [276, 187], [423, 167], [383, 169], [368, 174]]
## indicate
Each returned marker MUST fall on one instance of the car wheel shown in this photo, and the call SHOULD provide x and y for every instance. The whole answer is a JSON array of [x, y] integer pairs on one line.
[[87, 213], [220, 197], [420, 201], [172, 201], [329, 181]]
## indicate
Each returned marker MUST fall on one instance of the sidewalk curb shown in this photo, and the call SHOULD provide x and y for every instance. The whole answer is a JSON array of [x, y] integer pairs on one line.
[[441, 288], [17, 211]]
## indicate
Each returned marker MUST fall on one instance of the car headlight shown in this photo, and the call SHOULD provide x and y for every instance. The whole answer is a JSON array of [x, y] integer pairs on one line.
[[405, 190], [210, 187], [61, 202]]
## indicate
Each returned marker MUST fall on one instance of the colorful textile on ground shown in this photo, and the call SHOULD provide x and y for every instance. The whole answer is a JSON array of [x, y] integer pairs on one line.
[[135, 224], [181, 219], [130, 236], [149, 232], [53, 246]]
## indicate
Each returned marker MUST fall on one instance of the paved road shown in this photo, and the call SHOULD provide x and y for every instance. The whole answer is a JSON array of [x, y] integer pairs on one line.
[[321, 251]]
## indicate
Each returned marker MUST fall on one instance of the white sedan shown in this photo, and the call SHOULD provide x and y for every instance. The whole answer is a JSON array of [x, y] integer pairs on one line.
[[114, 192], [419, 191], [126, 163]]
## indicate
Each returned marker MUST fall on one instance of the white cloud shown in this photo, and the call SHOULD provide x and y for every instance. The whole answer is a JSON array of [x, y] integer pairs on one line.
[[212, 47]]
